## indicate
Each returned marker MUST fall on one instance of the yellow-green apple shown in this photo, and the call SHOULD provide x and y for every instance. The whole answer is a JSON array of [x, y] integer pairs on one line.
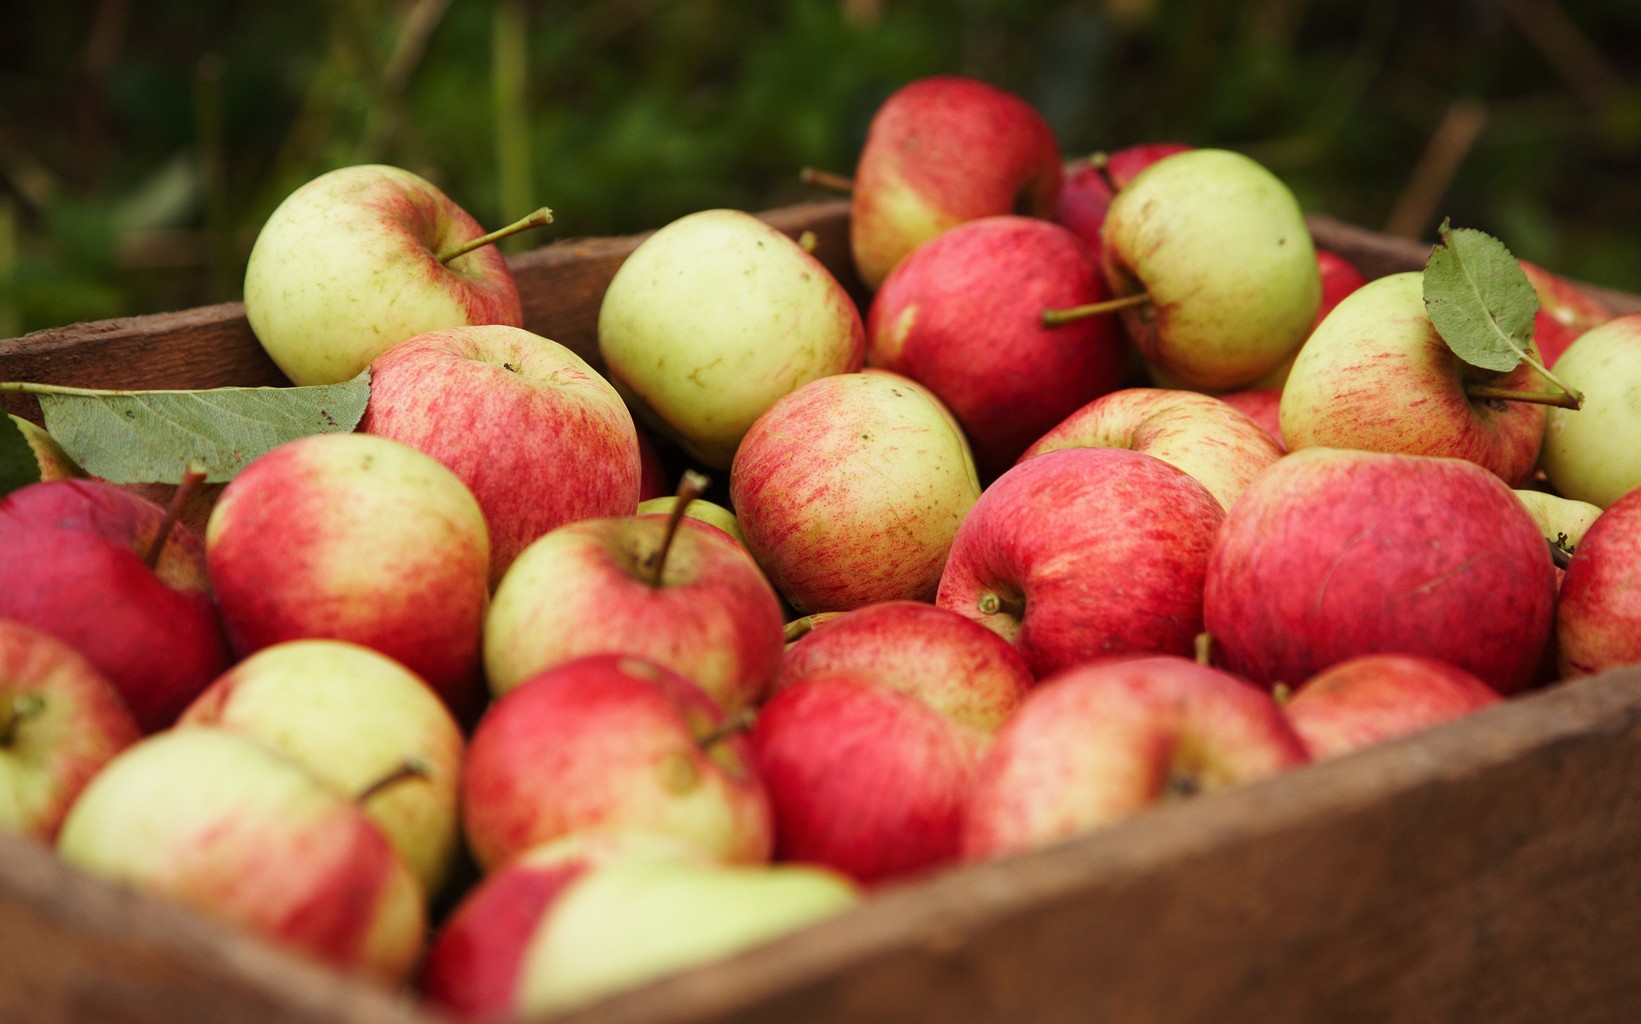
[[850, 489], [709, 512], [1376, 375], [693, 600], [78, 560], [1377, 697], [1218, 247], [50, 461], [1102, 742], [572, 928], [1333, 553], [361, 538], [714, 317], [353, 717], [611, 743], [349, 264], [1591, 453], [1218, 445], [1263, 406], [1563, 521], [943, 150], [962, 315], [1091, 182], [1598, 616], [230, 827], [1565, 311], [538, 436], [1083, 554], [61, 720]]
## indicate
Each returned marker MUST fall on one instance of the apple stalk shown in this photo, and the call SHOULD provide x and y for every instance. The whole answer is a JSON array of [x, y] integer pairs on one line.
[[827, 179], [692, 486], [192, 477], [537, 219], [1059, 317]]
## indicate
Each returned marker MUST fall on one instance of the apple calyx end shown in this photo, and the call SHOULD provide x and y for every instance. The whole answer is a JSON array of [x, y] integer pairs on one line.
[[23, 707]]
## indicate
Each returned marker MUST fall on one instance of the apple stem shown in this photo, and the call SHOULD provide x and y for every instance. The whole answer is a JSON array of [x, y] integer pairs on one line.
[[410, 768], [1281, 692], [541, 217], [692, 486], [1101, 162], [799, 628], [1203, 646], [23, 707], [991, 603], [807, 242], [1564, 400], [1057, 317], [191, 479], [731, 726], [827, 180]]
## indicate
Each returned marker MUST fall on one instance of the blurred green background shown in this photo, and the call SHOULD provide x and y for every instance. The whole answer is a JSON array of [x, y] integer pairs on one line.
[[142, 145]]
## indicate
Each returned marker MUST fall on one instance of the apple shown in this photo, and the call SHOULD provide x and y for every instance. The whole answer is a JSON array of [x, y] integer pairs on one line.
[[1102, 742], [350, 263], [1598, 616], [75, 557], [714, 317], [1334, 553], [1372, 698], [850, 489], [962, 314], [1376, 375], [1090, 184], [1263, 406], [1214, 250], [1339, 278], [353, 717], [690, 598], [652, 477], [538, 436], [1590, 453], [1565, 311], [1563, 521], [61, 720], [1086, 553], [50, 461], [1221, 447], [361, 538], [942, 150], [611, 743], [217, 822]]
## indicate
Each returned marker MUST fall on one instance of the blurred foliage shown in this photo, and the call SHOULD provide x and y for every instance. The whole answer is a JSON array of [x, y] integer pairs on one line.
[[141, 146]]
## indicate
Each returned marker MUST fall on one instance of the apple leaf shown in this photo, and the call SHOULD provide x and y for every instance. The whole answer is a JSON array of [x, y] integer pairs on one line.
[[134, 437], [18, 466], [1479, 299]]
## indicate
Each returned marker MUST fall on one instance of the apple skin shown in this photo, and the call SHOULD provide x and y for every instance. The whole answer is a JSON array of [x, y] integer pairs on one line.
[[962, 314], [1598, 616], [1590, 453], [1563, 521], [583, 589], [1339, 278], [538, 436], [71, 555], [347, 266], [1105, 548], [850, 489], [1263, 406], [1334, 553], [698, 368], [1218, 445], [1377, 697], [610, 743], [1565, 311], [63, 720], [1376, 375], [352, 717], [942, 150], [222, 824], [360, 538], [49, 458], [1089, 187], [1220, 245], [1102, 742]]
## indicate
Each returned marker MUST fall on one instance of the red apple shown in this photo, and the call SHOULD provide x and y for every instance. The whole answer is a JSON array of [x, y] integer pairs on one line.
[[940, 151], [1332, 553], [72, 555], [1263, 406], [1103, 742], [962, 314], [1598, 617], [1376, 697], [1086, 553], [1339, 278]]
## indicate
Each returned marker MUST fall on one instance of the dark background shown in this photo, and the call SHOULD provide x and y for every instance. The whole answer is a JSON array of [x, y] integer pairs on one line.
[[143, 144]]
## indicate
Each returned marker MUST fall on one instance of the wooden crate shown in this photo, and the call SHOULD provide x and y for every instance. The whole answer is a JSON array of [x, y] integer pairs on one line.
[[1487, 870]]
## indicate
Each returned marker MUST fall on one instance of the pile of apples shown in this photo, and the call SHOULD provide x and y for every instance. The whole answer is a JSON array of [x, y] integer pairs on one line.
[[1118, 491]]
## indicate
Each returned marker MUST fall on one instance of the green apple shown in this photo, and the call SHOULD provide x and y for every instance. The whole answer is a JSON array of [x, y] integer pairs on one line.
[[1564, 521], [1591, 453]]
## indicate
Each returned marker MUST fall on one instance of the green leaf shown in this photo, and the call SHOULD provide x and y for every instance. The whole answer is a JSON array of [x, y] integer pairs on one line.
[[152, 436], [1479, 299], [18, 466]]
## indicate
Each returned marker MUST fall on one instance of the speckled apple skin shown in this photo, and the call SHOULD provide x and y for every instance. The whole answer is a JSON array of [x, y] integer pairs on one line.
[[1333, 553], [1377, 697], [1106, 547], [940, 151], [963, 316], [1598, 620], [348, 265]]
